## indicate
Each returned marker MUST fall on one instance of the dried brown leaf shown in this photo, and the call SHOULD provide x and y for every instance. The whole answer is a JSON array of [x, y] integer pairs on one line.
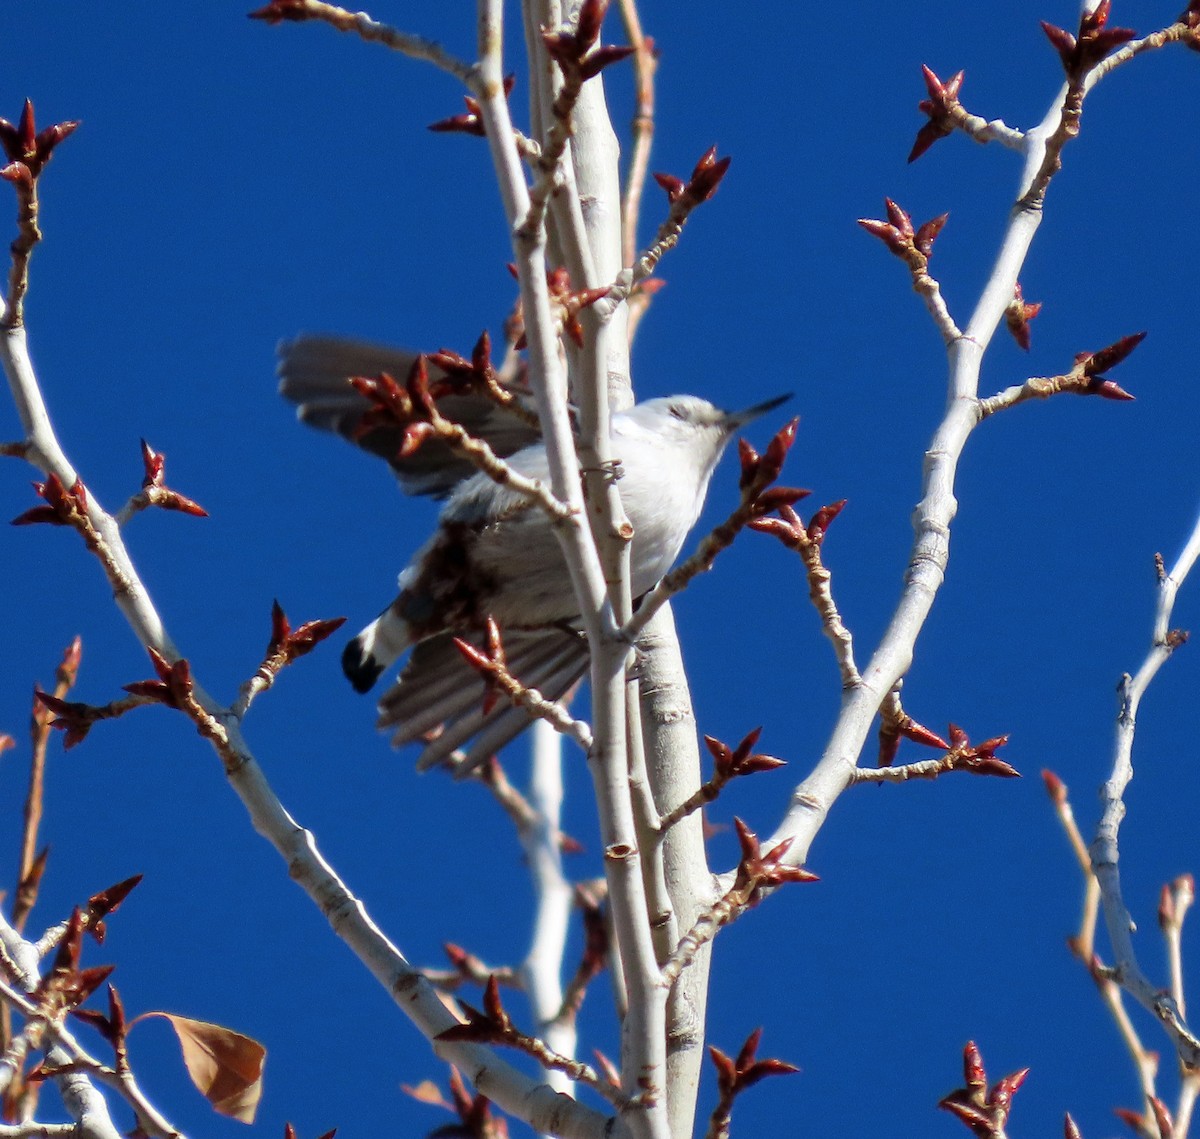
[[224, 1065]]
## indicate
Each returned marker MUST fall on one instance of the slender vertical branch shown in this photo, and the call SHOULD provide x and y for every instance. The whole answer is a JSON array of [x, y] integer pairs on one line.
[[1104, 849], [27, 879], [542, 967], [645, 64], [673, 765]]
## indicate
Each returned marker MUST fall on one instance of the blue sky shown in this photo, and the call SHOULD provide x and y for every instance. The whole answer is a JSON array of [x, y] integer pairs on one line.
[[234, 184]]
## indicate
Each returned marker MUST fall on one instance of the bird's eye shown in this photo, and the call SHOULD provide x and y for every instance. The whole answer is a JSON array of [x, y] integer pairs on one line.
[[676, 409]]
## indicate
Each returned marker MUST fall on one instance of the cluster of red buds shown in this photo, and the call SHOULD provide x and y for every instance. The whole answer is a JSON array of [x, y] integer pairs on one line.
[[288, 644], [566, 304], [70, 717], [911, 245], [1080, 53], [66, 985], [759, 472], [705, 178], [494, 1026], [730, 763], [758, 872], [491, 1025], [1018, 315], [63, 507], [28, 149], [155, 489], [984, 1110], [961, 754], [735, 1075], [577, 52], [409, 406], [940, 107], [172, 686], [472, 121], [979, 759], [793, 531], [1092, 366]]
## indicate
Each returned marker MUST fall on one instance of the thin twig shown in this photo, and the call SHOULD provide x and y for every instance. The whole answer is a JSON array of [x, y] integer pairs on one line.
[[553, 147], [1084, 942], [40, 728], [495, 671], [1189, 1088], [807, 542], [415, 47], [989, 130], [28, 236], [1145, 1061], [724, 910], [1177, 899], [478, 452], [645, 64], [1173, 33]]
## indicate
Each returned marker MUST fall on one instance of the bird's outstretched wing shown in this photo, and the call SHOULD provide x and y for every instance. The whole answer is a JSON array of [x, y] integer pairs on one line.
[[314, 374], [437, 689], [438, 699]]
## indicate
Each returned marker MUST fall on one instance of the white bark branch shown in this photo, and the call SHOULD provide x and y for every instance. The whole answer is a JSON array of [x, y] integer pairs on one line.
[[1104, 849], [542, 968], [812, 799]]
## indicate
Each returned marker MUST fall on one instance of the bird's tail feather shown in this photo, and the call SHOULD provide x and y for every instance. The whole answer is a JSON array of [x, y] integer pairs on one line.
[[370, 653]]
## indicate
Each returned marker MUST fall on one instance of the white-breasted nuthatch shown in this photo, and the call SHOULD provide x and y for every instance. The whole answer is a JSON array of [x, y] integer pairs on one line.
[[494, 553]]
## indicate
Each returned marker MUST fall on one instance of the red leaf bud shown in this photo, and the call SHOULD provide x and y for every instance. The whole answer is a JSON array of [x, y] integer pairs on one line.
[[927, 234], [1055, 787], [602, 57], [899, 218]]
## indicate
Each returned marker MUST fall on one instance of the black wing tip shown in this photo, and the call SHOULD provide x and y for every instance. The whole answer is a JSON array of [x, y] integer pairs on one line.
[[360, 667]]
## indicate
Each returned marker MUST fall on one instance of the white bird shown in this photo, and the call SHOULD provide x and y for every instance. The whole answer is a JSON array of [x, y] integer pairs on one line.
[[494, 553]]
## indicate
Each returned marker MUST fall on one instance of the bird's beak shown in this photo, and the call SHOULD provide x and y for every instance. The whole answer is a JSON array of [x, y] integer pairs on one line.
[[736, 419]]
